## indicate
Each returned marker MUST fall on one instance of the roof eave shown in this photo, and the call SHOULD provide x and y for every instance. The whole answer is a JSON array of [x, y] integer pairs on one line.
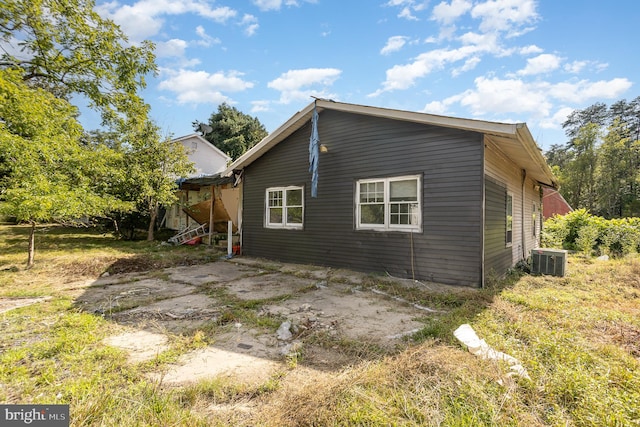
[[530, 146]]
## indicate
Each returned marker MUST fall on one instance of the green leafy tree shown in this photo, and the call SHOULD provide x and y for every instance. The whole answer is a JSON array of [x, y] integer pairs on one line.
[[612, 172], [66, 48], [153, 165], [233, 132], [49, 175], [599, 167], [580, 174]]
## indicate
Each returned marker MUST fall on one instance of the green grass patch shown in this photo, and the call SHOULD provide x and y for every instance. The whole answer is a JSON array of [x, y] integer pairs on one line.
[[577, 336]]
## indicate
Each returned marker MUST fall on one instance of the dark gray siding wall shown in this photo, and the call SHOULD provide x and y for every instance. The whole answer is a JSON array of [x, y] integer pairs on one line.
[[448, 249], [497, 256]]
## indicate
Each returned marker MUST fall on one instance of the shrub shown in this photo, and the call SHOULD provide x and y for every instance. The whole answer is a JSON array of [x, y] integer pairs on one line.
[[621, 237], [587, 239], [579, 230], [554, 233]]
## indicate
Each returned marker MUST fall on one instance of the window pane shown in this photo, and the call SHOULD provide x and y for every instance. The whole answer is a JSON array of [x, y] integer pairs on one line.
[[275, 215], [294, 215], [372, 214], [372, 192], [406, 190], [275, 198], [404, 214], [294, 197], [509, 235]]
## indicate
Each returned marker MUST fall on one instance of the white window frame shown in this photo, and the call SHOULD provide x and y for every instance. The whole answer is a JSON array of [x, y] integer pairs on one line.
[[285, 206], [387, 226], [506, 214]]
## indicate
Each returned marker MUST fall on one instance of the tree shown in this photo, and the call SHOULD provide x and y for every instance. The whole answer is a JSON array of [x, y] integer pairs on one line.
[[611, 171], [153, 165], [599, 167], [66, 48], [49, 175], [233, 131]]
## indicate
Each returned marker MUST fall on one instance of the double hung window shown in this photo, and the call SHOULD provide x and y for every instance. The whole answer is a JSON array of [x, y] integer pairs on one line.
[[284, 207], [509, 211], [389, 204]]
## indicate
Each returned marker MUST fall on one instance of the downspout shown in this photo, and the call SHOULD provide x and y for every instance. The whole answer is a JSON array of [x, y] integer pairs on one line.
[[483, 214], [522, 228]]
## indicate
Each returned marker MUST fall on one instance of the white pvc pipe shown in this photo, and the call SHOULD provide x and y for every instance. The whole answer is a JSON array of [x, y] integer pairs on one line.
[[229, 238]]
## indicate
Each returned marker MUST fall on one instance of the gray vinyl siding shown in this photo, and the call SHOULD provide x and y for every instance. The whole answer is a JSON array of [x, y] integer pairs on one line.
[[448, 249], [497, 258]]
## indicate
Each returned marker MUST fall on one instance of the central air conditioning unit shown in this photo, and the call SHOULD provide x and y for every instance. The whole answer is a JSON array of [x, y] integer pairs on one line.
[[549, 261]]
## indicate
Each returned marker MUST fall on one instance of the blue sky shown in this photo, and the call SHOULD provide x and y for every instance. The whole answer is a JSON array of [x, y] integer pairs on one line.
[[500, 60]]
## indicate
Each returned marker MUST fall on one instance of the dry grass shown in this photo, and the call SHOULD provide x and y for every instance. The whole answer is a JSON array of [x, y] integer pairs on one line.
[[577, 336]]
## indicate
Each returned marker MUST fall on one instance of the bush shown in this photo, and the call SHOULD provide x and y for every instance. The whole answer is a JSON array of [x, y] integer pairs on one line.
[[587, 239], [579, 230]]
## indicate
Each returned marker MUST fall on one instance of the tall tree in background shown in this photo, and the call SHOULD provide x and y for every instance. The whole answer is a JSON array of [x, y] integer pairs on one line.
[[153, 165], [49, 175], [580, 173], [66, 48], [599, 167], [233, 131]]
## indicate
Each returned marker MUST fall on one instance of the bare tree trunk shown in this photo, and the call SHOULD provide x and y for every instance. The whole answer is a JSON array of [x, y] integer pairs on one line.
[[32, 245], [152, 223], [116, 228]]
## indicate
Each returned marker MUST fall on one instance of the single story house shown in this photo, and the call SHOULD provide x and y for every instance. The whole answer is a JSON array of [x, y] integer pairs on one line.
[[409, 194]]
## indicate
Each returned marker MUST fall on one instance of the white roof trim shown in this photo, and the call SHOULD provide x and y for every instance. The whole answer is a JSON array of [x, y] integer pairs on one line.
[[203, 140]]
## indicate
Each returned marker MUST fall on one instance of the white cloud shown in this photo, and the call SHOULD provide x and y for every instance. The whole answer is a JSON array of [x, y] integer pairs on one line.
[[531, 49], [301, 84], [250, 23], [171, 48], [143, 19], [508, 16], [556, 120], [585, 90], [575, 67], [407, 8], [468, 65], [498, 96], [200, 87], [495, 96], [404, 76], [260, 106], [266, 5], [205, 39], [435, 107], [540, 64], [446, 13], [394, 44]]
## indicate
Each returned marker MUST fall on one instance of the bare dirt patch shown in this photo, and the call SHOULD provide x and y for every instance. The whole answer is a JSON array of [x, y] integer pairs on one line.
[[266, 286], [140, 345], [110, 298], [176, 315], [325, 317], [213, 362], [7, 304]]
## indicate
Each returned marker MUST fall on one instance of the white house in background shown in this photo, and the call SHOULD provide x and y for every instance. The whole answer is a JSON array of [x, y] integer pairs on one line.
[[209, 162], [208, 159]]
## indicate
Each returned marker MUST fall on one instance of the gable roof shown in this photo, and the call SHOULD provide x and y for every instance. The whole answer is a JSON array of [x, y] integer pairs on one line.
[[205, 142], [513, 139], [553, 203]]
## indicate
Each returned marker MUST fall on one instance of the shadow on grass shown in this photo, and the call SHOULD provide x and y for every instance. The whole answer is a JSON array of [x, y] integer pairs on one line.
[[90, 253]]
